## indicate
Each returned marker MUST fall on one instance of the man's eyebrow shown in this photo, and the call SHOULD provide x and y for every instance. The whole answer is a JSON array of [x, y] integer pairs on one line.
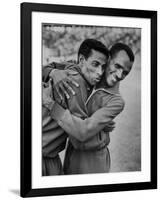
[[95, 61], [120, 66], [99, 62], [124, 69]]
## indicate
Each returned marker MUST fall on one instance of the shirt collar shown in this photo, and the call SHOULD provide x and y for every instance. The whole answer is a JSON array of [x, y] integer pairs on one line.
[[112, 90]]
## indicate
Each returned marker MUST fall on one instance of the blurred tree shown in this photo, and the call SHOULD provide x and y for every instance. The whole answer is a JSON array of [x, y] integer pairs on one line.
[[62, 41]]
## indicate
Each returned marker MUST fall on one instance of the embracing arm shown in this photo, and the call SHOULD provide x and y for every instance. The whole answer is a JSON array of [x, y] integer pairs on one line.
[[46, 70], [83, 129], [60, 74]]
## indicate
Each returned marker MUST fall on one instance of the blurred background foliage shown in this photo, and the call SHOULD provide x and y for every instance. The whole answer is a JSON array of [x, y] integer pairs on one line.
[[61, 42]]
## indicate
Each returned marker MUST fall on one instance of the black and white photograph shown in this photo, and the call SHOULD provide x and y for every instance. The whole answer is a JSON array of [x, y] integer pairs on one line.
[[88, 100], [91, 99]]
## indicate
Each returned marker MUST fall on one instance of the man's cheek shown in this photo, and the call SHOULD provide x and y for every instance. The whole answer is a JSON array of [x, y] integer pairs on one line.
[[91, 71], [88, 71]]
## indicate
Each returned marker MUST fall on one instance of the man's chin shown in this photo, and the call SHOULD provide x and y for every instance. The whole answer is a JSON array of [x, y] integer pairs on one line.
[[110, 84], [93, 83]]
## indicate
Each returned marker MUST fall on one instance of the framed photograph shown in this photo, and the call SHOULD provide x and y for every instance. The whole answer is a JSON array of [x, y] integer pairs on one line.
[[88, 99]]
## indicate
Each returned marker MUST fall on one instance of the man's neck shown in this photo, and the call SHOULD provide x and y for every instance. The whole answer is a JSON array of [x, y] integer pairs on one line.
[[113, 89]]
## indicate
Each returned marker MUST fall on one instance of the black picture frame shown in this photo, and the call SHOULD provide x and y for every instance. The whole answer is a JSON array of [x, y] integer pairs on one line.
[[26, 100]]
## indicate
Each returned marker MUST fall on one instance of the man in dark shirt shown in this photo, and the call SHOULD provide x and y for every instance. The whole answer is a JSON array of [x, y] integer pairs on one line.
[[93, 57]]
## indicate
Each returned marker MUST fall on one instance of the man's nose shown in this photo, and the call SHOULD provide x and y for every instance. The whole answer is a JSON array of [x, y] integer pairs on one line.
[[99, 71]]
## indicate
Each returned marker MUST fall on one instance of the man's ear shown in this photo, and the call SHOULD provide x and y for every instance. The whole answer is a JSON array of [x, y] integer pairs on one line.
[[81, 59]]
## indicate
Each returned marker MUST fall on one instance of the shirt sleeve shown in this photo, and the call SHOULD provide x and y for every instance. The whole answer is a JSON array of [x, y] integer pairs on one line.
[[85, 129], [48, 68]]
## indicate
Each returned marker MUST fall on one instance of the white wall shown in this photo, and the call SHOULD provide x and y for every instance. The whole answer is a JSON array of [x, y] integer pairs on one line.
[[9, 101]]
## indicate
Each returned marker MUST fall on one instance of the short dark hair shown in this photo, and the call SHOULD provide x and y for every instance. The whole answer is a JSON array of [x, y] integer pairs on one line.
[[89, 44], [119, 47]]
